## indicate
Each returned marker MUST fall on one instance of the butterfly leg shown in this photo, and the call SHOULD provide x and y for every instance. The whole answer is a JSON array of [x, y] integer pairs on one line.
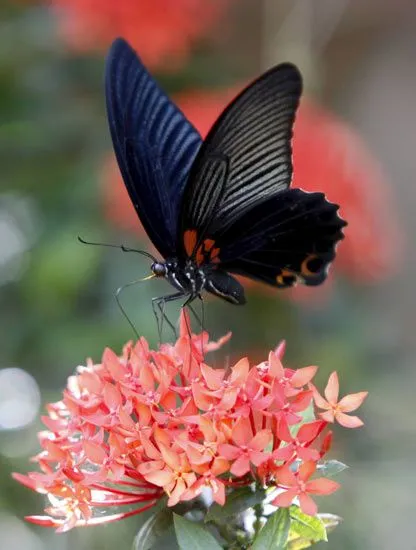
[[158, 305], [200, 320]]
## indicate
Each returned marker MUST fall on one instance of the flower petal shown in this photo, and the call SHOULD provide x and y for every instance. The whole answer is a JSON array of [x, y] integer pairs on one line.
[[261, 440], [285, 499], [301, 377], [307, 505], [161, 478], [230, 452], [322, 486], [352, 401], [241, 466], [348, 421], [332, 388], [306, 470]]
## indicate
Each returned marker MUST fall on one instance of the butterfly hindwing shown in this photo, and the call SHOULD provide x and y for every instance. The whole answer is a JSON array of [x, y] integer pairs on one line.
[[155, 144], [287, 239], [254, 133]]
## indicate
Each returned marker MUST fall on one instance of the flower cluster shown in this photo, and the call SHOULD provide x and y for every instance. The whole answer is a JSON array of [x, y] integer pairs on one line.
[[134, 428]]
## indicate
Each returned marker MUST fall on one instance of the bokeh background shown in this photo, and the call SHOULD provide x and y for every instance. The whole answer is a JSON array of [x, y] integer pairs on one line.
[[354, 139]]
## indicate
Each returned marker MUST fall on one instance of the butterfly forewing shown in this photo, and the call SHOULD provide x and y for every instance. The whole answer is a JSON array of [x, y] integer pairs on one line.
[[155, 144], [254, 133]]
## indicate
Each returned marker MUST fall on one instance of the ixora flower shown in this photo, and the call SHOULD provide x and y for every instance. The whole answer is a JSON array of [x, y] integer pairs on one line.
[[148, 425]]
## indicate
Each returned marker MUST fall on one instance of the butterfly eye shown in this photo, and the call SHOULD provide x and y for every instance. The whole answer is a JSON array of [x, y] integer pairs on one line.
[[159, 269]]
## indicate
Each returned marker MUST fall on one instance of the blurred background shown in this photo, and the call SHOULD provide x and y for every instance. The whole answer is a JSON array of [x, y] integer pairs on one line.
[[354, 139]]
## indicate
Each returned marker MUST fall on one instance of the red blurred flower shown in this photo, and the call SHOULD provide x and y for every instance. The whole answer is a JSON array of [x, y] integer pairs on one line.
[[328, 156], [133, 428], [162, 31]]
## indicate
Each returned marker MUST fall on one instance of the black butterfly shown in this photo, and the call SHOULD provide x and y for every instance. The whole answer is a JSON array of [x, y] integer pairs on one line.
[[222, 205]]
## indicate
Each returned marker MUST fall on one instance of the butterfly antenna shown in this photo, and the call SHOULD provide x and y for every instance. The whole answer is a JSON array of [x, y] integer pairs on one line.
[[120, 306], [120, 246]]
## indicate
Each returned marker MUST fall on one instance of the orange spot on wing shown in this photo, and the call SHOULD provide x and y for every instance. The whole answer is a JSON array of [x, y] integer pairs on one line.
[[189, 241], [283, 275], [305, 270]]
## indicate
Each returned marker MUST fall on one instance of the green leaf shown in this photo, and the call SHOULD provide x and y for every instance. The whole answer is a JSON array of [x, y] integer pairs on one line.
[[193, 536], [305, 530], [331, 468], [330, 521], [237, 501], [274, 534], [153, 529]]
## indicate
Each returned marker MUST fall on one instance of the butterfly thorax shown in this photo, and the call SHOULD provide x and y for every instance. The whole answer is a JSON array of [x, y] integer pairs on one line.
[[187, 277], [191, 279]]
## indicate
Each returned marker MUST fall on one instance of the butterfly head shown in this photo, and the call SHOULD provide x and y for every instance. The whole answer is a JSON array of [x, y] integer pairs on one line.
[[159, 269]]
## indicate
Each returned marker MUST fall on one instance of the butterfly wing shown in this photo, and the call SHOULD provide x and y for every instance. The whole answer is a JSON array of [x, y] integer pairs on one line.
[[287, 239], [246, 158], [154, 143]]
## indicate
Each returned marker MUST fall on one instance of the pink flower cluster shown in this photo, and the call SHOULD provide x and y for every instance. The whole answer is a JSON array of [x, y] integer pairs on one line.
[[149, 423]]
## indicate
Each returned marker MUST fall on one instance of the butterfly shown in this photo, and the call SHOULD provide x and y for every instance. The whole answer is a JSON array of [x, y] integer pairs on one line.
[[222, 205]]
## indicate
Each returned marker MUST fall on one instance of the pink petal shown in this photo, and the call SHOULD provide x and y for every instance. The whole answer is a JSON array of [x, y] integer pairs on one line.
[[261, 440], [320, 402], [257, 457], [306, 470], [303, 376], [308, 432], [276, 369], [146, 378], [242, 432], [284, 453], [280, 350], [177, 492], [352, 401], [239, 372], [348, 421], [230, 452], [202, 400], [112, 397], [282, 430], [322, 486], [228, 399], [212, 377], [285, 499], [170, 457], [112, 363], [94, 452], [213, 346], [219, 466], [218, 492], [160, 478], [285, 476], [328, 416], [332, 389], [241, 466], [307, 505]]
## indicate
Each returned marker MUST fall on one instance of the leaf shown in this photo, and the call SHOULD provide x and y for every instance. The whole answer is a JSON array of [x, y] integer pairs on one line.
[[237, 501], [274, 534], [330, 521], [153, 529], [331, 468], [193, 536], [305, 530]]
